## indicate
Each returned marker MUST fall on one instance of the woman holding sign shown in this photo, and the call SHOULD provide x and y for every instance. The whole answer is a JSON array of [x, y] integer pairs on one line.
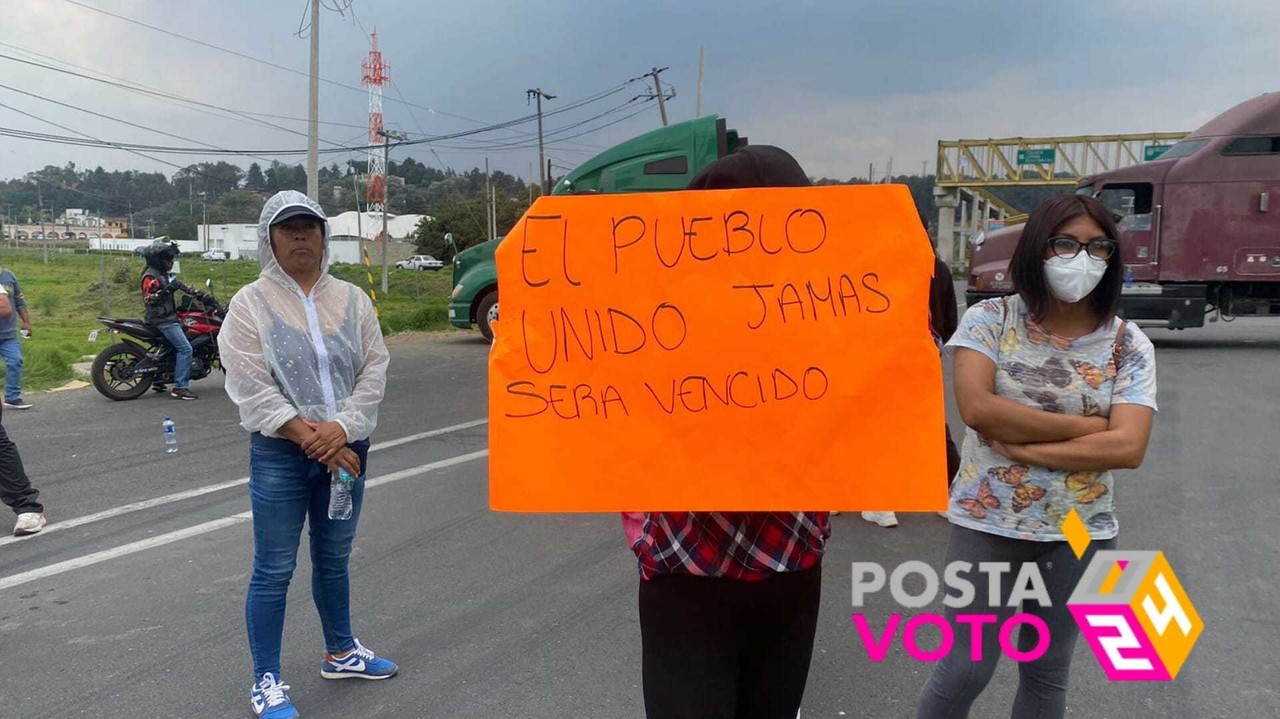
[[1057, 392], [729, 600]]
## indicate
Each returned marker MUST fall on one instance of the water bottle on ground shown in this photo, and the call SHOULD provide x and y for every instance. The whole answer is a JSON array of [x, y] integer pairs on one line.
[[340, 494], [170, 436]]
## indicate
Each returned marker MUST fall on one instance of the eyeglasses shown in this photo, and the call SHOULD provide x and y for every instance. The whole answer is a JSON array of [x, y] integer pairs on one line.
[[1068, 247]]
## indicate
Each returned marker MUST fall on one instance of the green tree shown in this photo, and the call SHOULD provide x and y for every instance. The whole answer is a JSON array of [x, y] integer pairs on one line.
[[254, 179], [181, 227], [465, 221], [240, 206]]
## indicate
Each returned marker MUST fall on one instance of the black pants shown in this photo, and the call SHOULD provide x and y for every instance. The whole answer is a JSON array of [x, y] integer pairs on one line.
[[727, 649], [15, 488]]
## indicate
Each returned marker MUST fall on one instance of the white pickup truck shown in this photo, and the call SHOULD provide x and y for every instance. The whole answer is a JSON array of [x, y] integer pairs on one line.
[[421, 262]]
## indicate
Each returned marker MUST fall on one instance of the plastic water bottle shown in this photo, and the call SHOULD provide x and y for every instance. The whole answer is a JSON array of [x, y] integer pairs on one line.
[[1128, 275], [340, 495], [170, 436]]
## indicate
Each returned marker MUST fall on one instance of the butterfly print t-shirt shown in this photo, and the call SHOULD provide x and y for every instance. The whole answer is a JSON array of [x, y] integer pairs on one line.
[[1081, 376]]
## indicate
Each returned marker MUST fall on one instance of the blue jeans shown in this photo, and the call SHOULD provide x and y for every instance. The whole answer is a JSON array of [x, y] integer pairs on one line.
[[285, 489], [177, 337], [11, 353]]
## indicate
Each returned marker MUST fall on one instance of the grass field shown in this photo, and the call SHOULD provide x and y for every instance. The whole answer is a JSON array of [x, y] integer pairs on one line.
[[65, 298]]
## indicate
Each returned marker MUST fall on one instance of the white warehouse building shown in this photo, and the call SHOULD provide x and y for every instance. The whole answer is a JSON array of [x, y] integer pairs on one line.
[[345, 233]]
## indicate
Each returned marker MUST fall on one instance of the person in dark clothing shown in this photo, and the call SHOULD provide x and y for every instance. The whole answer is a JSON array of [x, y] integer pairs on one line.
[[943, 320], [944, 316], [158, 286], [729, 600], [15, 488]]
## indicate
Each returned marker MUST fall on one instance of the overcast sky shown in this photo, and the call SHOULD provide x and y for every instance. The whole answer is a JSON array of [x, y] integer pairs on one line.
[[839, 83]]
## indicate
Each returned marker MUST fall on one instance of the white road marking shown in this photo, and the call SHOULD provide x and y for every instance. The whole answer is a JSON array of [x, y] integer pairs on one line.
[[209, 489], [122, 550], [206, 527]]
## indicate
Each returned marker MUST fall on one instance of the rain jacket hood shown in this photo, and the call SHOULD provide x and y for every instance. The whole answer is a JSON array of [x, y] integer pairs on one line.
[[278, 205], [318, 355]]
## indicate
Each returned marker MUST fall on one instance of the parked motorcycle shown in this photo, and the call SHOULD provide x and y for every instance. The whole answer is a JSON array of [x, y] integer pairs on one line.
[[144, 358]]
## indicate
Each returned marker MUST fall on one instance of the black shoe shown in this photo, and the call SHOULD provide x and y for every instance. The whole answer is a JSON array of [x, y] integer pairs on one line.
[[18, 403], [159, 388], [181, 393]]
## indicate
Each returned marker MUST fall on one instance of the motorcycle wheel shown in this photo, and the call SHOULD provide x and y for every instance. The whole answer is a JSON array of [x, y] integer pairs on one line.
[[111, 374]]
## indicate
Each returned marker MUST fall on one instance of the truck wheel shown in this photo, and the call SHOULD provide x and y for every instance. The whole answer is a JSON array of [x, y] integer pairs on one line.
[[487, 314]]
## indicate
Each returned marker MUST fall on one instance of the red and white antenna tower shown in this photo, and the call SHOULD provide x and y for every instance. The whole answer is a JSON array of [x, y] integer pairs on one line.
[[373, 76]]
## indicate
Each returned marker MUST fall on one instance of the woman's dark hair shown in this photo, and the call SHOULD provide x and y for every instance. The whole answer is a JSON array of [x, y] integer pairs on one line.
[[1026, 269]]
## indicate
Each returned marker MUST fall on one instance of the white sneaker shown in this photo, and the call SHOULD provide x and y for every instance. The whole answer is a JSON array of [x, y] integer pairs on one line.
[[884, 519], [29, 523]]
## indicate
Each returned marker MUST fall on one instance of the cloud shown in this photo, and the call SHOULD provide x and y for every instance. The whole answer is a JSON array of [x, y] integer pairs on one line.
[[841, 83], [835, 137]]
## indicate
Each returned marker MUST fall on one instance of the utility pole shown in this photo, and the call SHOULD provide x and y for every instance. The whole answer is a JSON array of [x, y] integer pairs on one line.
[[313, 114], [45, 235], [204, 225], [871, 173], [355, 190], [701, 57], [662, 98], [924, 168], [387, 136], [540, 95], [488, 208]]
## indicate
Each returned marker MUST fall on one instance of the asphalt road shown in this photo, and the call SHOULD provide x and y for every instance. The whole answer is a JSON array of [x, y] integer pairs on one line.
[[131, 605]]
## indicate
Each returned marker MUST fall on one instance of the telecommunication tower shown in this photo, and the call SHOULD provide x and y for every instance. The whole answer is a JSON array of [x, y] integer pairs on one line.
[[373, 76]]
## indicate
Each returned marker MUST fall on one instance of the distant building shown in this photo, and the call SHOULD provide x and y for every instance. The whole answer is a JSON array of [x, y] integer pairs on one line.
[[346, 233]]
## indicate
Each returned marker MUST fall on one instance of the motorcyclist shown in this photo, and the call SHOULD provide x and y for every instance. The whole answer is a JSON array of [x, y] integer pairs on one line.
[[158, 286]]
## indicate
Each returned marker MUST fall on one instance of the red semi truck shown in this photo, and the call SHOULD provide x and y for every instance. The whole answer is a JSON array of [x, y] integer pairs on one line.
[[1198, 230]]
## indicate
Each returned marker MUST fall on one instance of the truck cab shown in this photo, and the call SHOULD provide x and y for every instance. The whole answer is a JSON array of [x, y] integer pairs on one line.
[[1197, 230], [660, 160]]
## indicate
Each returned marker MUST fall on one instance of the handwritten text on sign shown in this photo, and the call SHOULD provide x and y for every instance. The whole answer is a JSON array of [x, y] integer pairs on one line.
[[730, 350]]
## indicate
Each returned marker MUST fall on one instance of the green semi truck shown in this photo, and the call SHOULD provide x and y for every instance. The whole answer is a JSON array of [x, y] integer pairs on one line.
[[664, 159]]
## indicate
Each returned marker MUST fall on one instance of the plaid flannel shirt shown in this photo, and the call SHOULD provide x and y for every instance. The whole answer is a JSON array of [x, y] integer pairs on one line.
[[737, 545]]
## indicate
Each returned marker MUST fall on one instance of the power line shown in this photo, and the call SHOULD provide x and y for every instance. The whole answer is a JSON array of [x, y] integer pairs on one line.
[[235, 53], [115, 119], [248, 115], [89, 141], [144, 90], [549, 135], [301, 73], [91, 137], [202, 43]]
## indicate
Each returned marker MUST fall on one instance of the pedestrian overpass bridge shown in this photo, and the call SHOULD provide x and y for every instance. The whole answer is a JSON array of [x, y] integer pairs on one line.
[[968, 169]]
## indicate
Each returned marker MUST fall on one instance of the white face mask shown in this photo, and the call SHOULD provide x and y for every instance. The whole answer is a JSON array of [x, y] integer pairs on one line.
[[1071, 280]]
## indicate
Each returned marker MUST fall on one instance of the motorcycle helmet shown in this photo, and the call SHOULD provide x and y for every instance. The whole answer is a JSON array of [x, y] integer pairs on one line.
[[159, 254]]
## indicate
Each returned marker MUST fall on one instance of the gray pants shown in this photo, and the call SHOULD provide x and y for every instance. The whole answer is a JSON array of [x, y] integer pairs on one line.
[[1042, 684]]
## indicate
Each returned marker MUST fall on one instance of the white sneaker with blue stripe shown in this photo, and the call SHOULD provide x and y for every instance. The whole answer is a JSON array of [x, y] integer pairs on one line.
[[359, 663], [270, 699]]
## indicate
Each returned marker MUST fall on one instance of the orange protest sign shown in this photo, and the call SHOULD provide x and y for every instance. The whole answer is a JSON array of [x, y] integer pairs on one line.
[[717, 350]]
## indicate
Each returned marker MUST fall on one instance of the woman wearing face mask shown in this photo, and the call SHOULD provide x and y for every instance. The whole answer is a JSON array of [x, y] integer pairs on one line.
[[1056, 392]]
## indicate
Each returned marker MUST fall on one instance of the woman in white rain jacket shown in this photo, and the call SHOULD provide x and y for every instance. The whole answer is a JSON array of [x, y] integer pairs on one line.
[[306, 365]]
